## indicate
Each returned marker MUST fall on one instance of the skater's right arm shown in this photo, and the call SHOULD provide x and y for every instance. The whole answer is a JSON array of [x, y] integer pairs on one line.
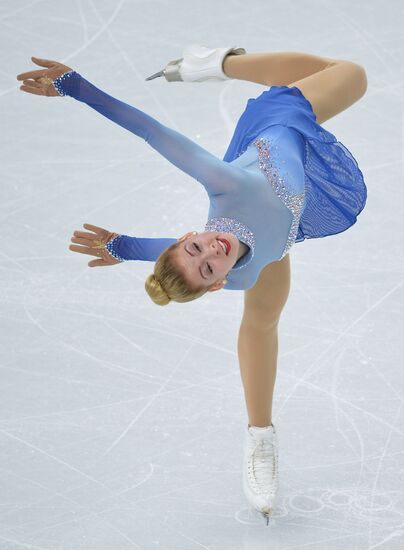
[[112, 248], [146, 249]]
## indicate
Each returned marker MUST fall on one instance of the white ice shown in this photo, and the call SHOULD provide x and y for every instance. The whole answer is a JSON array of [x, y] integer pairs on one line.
[[121, 422]]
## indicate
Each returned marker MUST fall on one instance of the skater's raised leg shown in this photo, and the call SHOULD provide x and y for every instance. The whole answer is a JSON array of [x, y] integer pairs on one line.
[[330, 85], [275, 68]]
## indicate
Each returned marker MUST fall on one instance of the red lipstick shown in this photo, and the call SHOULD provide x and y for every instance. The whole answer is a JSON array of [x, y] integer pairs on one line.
[[227, 245]]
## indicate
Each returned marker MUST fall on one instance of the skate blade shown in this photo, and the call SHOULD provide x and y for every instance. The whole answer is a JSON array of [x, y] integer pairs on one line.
[[156, 75], [266, 515]]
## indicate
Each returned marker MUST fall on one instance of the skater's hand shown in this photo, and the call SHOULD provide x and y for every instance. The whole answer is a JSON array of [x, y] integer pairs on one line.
[[39, 82], [93, 244]]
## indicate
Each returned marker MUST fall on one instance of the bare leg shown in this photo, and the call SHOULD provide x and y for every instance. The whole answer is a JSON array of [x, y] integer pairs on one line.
[[258, 339], [330, 85], [258, 355], [275, 69]]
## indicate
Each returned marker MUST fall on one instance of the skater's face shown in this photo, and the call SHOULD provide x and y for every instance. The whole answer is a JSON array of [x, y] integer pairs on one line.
[[202, 259]]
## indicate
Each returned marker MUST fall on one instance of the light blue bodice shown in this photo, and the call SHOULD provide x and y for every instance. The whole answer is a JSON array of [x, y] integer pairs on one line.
[[259, 196]]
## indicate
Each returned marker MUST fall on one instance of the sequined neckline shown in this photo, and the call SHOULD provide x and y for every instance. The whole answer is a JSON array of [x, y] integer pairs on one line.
[[241, 231]]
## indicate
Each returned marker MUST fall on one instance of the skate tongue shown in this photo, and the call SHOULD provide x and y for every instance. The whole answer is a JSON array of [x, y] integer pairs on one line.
[[261, 432]]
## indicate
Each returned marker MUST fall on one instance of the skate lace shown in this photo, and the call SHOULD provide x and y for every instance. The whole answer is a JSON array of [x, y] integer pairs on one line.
[[264, 463]]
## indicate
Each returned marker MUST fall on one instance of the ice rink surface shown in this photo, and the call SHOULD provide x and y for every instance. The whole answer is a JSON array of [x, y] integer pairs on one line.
[[122, 422]]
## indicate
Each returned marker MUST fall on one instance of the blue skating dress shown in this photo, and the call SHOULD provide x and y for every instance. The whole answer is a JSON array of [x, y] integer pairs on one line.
[[283, 178]]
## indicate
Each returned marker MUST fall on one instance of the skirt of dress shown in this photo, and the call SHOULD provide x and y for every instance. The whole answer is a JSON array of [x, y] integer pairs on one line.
[[334, 186]]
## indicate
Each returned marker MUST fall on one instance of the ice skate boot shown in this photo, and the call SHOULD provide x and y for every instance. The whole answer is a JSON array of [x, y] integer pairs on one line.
[[198, 63], [260, 468]]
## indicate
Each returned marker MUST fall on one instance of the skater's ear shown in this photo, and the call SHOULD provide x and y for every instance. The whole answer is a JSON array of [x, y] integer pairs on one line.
[[186, 236], [217, 286]]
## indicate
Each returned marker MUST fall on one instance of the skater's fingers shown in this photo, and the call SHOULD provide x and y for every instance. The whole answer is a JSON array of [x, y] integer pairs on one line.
[[32, 74], [98, 230], [85, 242], [33, 84], [97, 263], [45, 62], [85, 235], [31, 90], [85, 250]]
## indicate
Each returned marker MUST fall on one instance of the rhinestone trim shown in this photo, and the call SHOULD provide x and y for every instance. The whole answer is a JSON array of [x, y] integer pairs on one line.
[[240, 230], [110, 247], [293, 201], [58, 82]]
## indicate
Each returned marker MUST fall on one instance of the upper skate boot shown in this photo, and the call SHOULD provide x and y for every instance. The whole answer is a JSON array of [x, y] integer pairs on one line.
[[260, 469], [198, 63]]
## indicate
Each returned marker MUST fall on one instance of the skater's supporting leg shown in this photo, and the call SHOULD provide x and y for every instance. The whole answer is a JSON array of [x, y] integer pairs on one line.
[[258, 353], [258, 339]]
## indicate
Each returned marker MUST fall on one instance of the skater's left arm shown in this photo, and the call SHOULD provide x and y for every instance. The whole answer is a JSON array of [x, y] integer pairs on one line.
[[216, 175]]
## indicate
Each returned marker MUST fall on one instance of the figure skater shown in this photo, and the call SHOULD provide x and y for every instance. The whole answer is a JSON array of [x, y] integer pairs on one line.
[[283, 179]]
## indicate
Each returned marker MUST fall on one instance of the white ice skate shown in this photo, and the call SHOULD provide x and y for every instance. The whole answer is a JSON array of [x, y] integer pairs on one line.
[[260, 468], [198, 63]]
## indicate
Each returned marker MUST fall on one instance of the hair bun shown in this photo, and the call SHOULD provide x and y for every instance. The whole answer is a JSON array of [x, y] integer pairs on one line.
[[156, 290]]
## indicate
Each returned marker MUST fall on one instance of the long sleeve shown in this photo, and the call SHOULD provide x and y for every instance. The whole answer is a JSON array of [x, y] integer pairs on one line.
[[124, 247], [216, 175]]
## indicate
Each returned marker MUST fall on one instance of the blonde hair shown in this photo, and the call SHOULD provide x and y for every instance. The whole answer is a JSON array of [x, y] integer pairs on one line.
[[167, 283]]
